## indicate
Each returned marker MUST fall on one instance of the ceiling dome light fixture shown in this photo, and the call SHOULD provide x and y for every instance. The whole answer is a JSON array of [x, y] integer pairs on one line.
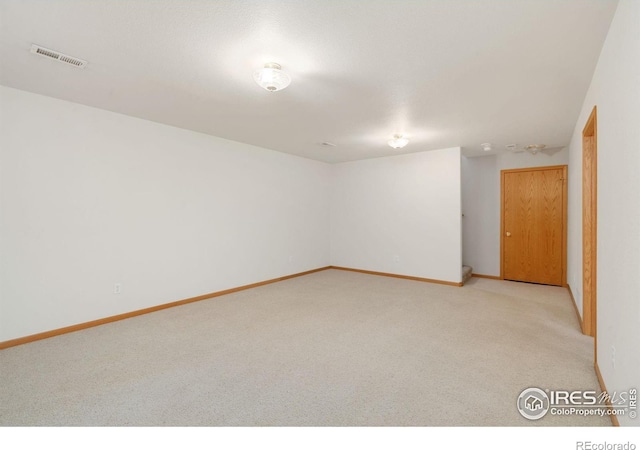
[[534, 148], [271, 77], [486, 146], [398, 141]]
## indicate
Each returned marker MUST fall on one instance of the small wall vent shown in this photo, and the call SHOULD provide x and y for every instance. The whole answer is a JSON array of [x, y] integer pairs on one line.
[[52, 54]]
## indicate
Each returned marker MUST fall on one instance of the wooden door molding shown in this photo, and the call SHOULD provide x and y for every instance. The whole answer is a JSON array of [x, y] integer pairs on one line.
[[589, 223], [503, 173]]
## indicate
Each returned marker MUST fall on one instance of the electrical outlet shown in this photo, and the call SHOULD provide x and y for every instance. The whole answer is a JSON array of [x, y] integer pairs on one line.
[[396, 258], [117, 288]]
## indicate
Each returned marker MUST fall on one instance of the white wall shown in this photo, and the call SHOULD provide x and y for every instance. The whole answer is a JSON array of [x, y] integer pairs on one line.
[[405, 206], [522, 160], [481, 209], [90, 198], [615, 89], [481, 203]]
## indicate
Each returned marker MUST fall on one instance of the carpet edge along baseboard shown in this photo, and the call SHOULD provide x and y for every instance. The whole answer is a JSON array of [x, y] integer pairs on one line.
[[139, 312], [489, 277], [575, 308], [614, 420], [394, 275]]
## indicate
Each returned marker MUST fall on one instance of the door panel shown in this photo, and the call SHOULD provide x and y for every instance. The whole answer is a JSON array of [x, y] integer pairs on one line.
[[533, 207]]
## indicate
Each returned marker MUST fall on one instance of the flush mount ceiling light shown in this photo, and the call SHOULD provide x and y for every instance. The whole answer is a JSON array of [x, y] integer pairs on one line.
[[534, 148], [398, 141], [271, 77], [486, 146]]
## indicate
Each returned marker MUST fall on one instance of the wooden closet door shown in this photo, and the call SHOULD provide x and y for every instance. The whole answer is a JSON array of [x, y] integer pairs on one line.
[[534, 225]]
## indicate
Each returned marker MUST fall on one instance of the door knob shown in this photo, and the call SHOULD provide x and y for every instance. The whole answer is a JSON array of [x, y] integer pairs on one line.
[[508, 234]]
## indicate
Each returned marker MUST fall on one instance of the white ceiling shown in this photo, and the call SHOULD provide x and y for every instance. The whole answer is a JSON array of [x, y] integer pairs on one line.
[[443, 72]]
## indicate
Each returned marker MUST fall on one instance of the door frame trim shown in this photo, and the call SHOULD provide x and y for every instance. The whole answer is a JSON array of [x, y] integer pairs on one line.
[[589, 293], [564, 214]]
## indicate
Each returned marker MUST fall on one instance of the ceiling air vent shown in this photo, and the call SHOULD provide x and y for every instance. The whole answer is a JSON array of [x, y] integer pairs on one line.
[[52, 54]]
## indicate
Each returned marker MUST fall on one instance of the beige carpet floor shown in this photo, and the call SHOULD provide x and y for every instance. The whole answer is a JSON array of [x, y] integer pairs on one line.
[[333, 348]]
